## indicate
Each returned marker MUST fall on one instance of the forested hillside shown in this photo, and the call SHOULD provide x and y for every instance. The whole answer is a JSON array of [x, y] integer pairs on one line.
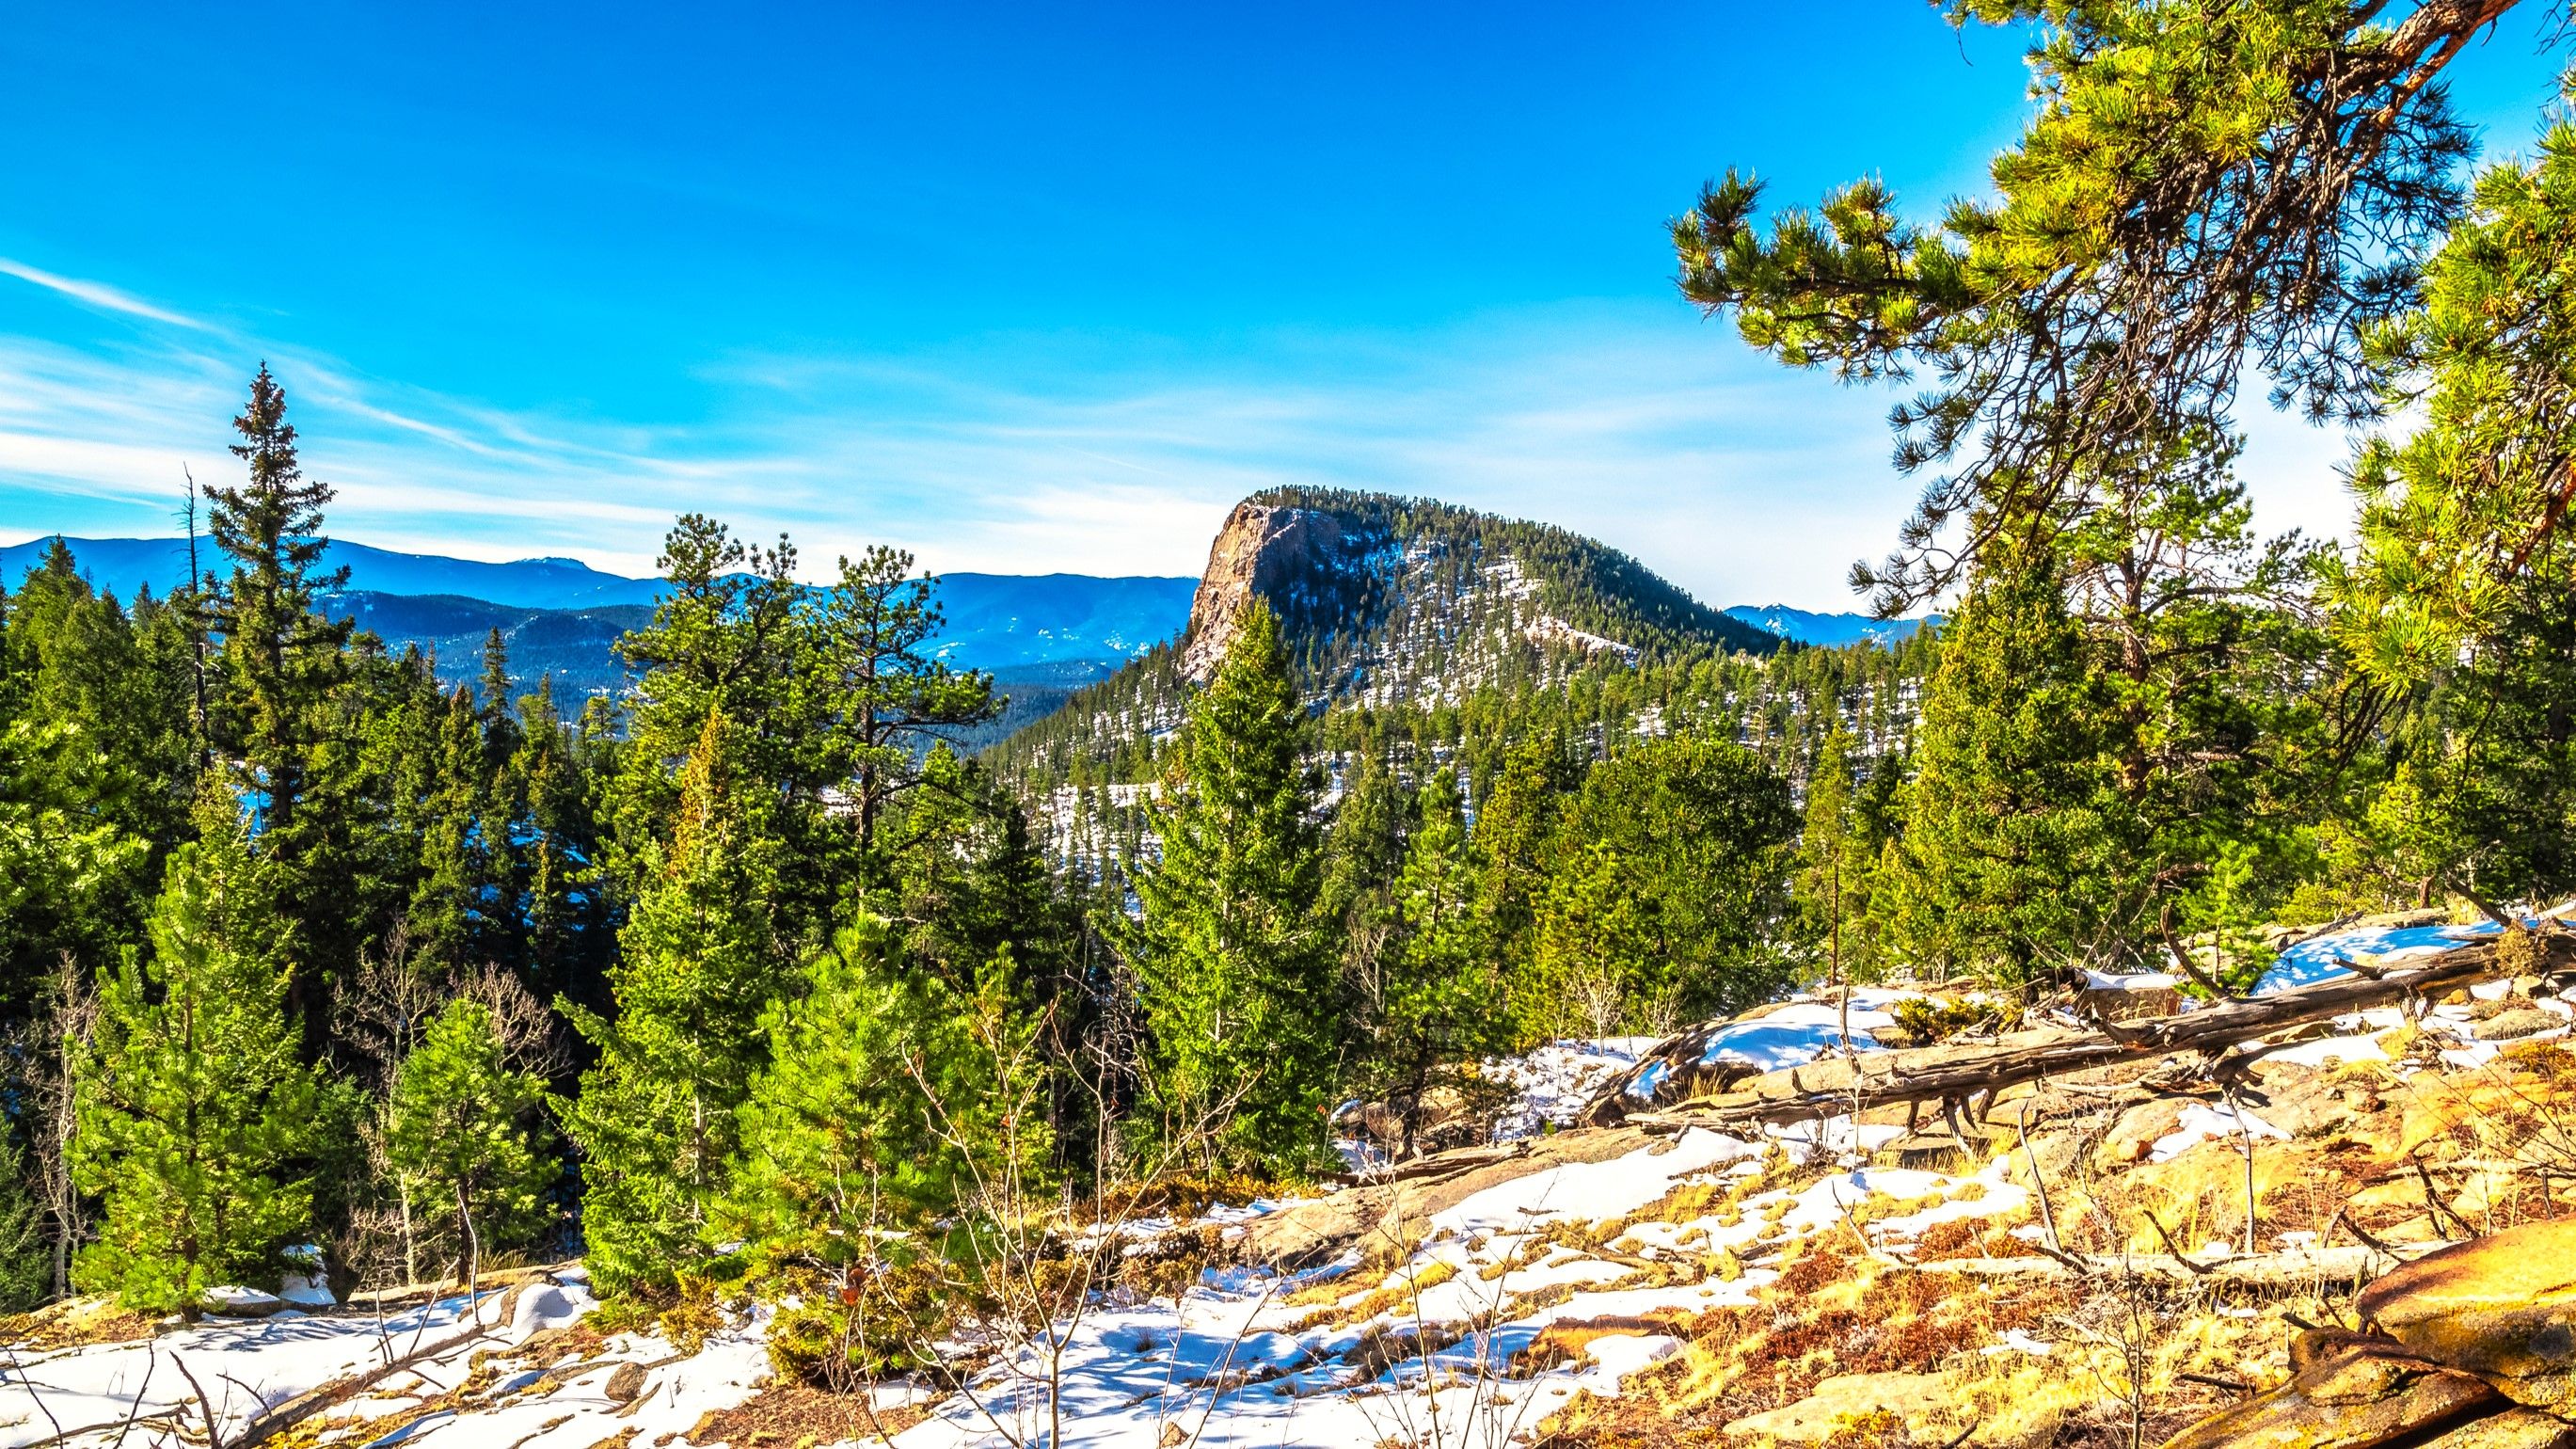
[[1409, 607], [2019, 1010]]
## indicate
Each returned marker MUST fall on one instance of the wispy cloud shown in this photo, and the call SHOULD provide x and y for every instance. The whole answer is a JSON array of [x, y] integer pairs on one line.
[[1744, 483], [98, 294]]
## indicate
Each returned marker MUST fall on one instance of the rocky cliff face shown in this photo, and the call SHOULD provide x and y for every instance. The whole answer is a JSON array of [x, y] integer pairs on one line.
[[1262, 550]]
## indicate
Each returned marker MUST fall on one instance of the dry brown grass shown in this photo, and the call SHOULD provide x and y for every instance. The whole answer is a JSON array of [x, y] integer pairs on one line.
[[76, 1323], [788, 1414]]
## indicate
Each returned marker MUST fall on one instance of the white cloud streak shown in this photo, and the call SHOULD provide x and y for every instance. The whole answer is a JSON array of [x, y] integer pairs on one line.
[[98, 294]]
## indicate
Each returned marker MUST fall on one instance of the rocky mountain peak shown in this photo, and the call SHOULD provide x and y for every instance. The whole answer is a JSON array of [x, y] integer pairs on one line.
[[1261, 548]]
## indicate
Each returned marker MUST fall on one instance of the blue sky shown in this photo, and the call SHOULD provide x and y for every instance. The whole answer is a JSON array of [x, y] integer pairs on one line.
[[1021, 288]]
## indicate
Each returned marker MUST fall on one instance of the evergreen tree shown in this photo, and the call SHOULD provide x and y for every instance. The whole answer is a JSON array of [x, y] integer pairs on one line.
[[729, 637], [2198, 189], [1232, 963], [700, 960], [2455, 512], [281, 665], [92, 759], [1672, 888], [557, 876], [892, 1103], [1364, 850], [1514, 837], [194, 1112], [26, 1255], [1838, 856], [883, 695], [448, 915], [1437, 1017], [463, 1133], [2012, 833]]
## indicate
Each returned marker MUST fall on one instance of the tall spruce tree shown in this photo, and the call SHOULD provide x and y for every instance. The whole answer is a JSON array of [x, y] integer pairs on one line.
[[1233, 964], [2013, 832], [194, 1112], [655, 1120], [281, 665]]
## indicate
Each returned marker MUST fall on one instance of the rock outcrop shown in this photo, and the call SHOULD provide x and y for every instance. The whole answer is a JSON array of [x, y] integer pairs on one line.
[[2472, 1347], [2502, 1307], [1260, 549]]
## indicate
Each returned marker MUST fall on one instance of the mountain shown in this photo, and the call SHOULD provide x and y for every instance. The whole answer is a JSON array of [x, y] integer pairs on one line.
[[122, 565], [1388, 598], [1022, 621], [1392, 604], [577, 647], [1831, 631], [561, 615]]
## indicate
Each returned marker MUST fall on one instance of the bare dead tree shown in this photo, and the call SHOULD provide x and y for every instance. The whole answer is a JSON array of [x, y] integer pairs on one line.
[[49, 1047]]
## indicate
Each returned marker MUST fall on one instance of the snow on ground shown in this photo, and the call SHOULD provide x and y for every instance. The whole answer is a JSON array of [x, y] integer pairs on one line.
[[1804, 1029], [2327, 958], [1231, 1361], [1234, 1363], [1557, 1080], [1590, 1191], [247, 1366], [2202, 1122]]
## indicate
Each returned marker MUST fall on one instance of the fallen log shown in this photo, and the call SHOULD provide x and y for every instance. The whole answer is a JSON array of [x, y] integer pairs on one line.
[[272, 1422], [1857, 1082], [413, 1295], [1437, 1165]]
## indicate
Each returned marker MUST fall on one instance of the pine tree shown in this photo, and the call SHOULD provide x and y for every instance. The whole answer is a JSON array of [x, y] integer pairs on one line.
[[895, 1101], [700, 961], [2013, 833], [2457, 510], [26, 1254], [1838, 855], [1592, 937], [557, 876], [1364, 851], [463, 1133], [884, 695], [730, 636], [1512, 841], [281, 664], [447, 915], [1233, 965], [194, 1112], [1438, 1014], [1674, 865]]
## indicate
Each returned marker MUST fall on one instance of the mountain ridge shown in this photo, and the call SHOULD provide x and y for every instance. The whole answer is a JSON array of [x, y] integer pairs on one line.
[[994, 621], [1395, 603], [1828, 629]]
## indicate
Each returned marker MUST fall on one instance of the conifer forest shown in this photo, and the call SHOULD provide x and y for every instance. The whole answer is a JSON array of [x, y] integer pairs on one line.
[[1459, 988]]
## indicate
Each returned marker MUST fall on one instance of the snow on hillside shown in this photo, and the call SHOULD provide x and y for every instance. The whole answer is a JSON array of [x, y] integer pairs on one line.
[[1450, 1311]]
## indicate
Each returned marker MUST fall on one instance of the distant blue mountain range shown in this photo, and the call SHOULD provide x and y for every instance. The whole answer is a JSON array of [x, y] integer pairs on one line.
[[121, 565], [1829, 630], [995, 621]]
